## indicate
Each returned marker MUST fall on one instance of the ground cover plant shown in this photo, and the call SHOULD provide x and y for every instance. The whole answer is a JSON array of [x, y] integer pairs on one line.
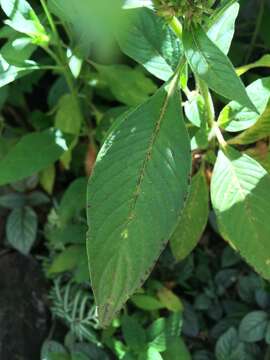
[[128, 137]]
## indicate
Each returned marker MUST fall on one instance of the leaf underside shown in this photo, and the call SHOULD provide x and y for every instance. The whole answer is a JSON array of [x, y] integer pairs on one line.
[[135, 196]]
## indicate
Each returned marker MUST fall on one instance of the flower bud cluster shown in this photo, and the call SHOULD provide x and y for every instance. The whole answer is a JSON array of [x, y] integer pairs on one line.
[[192, 10]]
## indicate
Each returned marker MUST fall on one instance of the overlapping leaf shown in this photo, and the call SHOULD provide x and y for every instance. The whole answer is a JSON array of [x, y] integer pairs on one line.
[[193, 219], [148, 40], [241, 199], [209, 63], [221, 30], [236, 117], [259, 130]]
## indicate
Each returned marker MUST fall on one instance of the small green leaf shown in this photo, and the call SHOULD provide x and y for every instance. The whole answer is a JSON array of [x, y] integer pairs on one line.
[[70, 234], [13, 200], [18, 51], [156, 335], [176, 349], [52, 350], [10, 73], [235, 117], [149, 40], [241, 200], [228, 346], [75, 63], [129, 86], [260, 130], [146, 302], [68, 260], [193, 219], [267, 334], [23, 18], [47, 179], [170, 300], [22, 229], [151, 354], [264, 61], [68, 117], [32, 153], [253, 326], [221, 29], [146, 154], [133, 332], [37, 198], [73, 200], [209, 63]]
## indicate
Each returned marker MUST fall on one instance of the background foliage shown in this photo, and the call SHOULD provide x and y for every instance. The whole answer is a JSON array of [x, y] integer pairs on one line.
[[75, 83]]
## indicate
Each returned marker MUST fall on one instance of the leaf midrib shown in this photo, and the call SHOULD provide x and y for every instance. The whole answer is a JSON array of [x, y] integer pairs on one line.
[[149, 150]]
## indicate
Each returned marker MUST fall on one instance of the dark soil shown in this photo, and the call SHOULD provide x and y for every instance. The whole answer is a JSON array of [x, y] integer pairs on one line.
[[24, 317]]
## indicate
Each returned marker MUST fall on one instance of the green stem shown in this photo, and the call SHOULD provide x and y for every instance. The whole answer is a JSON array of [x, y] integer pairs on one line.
[[46, 67], [219, 136], [60, 59], [209, 107], [50, 19]]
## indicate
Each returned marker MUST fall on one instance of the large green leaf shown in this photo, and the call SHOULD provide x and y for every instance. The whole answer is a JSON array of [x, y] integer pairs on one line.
[[241, 200], [221, 30], [149, 41], [210, 64], [22, 229], [31, 154], [193, 219], [23, 18], [135, 196], [236, 117]]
